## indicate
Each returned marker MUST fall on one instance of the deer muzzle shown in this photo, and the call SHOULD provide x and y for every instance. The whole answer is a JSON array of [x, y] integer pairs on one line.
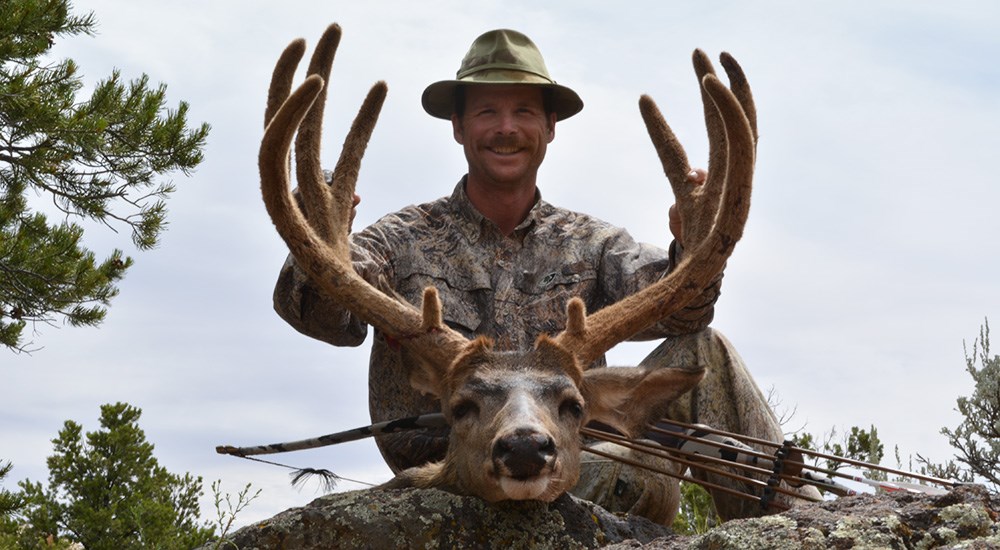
[[523, 454]]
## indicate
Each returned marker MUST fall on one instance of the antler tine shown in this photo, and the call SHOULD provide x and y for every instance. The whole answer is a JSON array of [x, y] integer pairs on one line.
[[326, 257], [741, 147], [713, 123], [701, 214], [345, 175], [592, 336], [281, 82], [668, 147], [316, 195], [281, 78], [274, 150], [741, 89]]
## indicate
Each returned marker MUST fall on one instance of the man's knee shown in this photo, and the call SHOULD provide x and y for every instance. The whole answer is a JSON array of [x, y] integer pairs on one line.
[[727, 383], [706, 349], [694, 351]]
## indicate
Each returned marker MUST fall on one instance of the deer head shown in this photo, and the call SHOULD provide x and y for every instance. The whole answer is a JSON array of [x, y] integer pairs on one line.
[[515, 416]]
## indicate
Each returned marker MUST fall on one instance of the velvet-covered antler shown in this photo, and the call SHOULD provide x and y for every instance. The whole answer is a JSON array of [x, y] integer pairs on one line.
[[316, 233], [714, 213]]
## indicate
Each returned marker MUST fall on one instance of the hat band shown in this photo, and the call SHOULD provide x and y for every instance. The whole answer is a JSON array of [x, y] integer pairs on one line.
[[504, 76]]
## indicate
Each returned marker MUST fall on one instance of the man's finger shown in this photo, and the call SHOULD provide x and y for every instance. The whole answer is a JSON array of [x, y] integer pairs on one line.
[[697, 176], [674, 222], [354, 211]]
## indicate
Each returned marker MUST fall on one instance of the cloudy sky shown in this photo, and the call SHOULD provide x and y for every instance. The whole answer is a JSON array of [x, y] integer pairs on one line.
[[869, 257]]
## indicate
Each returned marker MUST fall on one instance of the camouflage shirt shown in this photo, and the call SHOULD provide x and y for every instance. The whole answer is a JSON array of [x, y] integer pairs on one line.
[[508, 287]]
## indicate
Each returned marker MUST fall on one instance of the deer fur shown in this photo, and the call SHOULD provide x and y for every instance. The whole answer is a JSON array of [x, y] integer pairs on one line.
[[515, 416]]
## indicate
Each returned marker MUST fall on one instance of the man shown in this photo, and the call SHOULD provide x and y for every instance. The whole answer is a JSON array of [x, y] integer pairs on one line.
[[505, 262]]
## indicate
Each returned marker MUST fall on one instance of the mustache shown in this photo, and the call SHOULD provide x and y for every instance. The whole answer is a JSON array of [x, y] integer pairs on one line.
[[506, 142]]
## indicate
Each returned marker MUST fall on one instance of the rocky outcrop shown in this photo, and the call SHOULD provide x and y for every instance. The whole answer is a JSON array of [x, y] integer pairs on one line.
[[411, 518], [429, 518], [964, 518]]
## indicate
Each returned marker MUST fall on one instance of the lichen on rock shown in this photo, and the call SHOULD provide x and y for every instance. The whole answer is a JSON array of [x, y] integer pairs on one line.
[[430, 518]]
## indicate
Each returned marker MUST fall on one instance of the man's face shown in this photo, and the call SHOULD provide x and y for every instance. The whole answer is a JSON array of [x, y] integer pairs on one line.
[[504, 132]]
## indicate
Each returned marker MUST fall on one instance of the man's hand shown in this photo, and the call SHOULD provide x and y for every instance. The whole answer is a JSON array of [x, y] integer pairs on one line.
[[695, 177], [354, 212], [328, 176]]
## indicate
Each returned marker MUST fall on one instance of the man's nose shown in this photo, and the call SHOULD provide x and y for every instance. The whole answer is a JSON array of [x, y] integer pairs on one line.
[[507, 124]]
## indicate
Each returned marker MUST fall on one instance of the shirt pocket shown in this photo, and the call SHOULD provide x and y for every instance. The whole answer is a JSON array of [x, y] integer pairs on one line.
[[462, 294], [545, 293]]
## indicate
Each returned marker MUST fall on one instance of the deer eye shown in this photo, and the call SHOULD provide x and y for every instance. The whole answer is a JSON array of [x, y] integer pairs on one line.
[[571, 407], [463, 409]]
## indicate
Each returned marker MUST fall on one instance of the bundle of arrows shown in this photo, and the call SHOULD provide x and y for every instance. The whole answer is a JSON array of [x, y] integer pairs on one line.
[[696, 446]]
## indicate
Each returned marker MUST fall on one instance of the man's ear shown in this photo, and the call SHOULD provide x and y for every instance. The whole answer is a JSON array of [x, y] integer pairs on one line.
[[552, 127], [629, 398], [457, 130]]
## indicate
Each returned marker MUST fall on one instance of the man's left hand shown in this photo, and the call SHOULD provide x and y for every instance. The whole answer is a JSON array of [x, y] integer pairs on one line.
[[695, 177]]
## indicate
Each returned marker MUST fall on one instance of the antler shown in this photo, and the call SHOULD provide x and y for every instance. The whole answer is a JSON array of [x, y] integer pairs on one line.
[[714, 214], [320, 245], [698, 204]]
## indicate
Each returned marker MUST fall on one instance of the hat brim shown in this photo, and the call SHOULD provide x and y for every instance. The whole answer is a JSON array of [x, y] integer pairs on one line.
[[439, 98]]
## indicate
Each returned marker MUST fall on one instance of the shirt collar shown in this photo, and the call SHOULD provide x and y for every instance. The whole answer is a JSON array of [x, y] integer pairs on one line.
[[471, 221]]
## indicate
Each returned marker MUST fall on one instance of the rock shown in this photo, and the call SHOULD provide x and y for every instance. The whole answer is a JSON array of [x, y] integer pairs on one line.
[[964, 518], [428, 518]]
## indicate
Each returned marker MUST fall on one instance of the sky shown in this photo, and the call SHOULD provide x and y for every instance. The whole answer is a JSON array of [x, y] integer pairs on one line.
[[869, 259]]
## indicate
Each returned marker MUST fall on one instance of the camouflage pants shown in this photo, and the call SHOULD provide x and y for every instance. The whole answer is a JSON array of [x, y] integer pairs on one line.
[[727, 399]]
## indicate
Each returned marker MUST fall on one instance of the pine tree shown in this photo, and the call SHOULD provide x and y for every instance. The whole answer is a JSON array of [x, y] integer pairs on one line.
[[107, 491], [96, 158], [9, 502]]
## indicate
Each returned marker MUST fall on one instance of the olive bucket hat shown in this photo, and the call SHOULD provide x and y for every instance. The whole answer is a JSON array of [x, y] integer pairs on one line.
[[501, 57]]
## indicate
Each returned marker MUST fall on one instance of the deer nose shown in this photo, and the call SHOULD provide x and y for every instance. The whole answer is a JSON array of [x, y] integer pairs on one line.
[[523, 454]]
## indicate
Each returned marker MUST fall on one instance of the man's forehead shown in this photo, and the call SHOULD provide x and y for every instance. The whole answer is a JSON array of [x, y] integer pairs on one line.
[[517, 93]]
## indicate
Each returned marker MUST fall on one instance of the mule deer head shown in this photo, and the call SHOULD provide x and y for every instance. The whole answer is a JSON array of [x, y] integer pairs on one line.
[[515, 416]]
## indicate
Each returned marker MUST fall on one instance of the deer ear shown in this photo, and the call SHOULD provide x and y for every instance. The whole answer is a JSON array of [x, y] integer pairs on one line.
[[550, 352], [426, 378], [434, 379], [628, 398]]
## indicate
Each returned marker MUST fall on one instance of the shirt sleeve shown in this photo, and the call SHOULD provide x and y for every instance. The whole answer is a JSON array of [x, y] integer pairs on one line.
[[303, 306], [628, 266]]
